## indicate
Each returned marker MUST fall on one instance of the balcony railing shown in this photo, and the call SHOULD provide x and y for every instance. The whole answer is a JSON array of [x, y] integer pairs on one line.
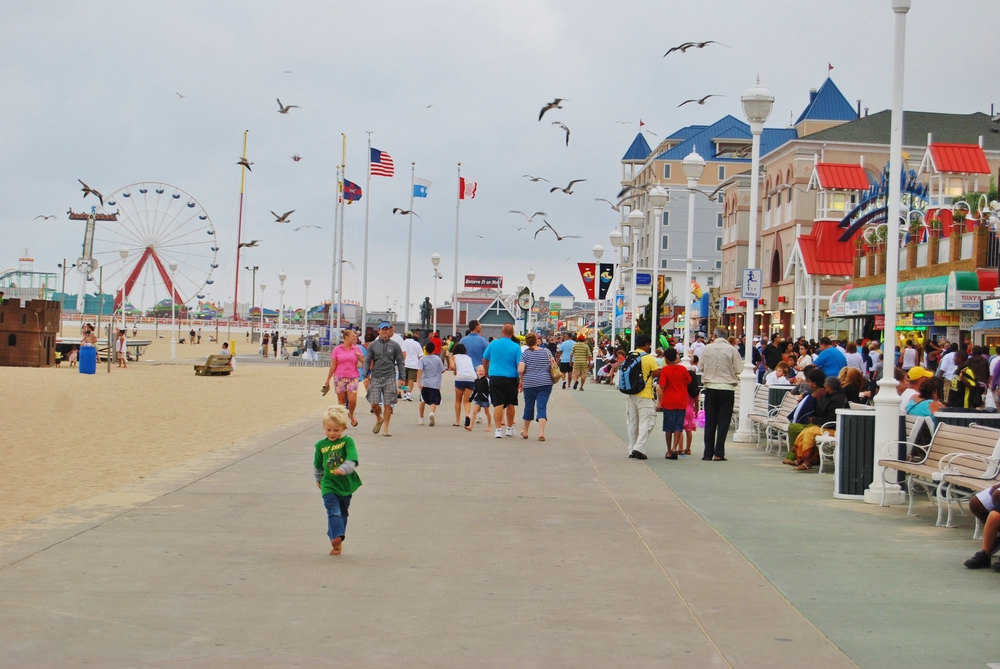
[[944, 250]]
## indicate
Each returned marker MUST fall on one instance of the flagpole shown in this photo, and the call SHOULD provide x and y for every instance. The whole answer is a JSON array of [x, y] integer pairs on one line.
[[333, 267], [239, 231], [454, 296], [409, 252], [340, 258], [364, 261]]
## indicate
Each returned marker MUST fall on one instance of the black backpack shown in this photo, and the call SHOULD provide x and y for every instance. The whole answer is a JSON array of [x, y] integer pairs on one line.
[[693, 387], [630, 378]]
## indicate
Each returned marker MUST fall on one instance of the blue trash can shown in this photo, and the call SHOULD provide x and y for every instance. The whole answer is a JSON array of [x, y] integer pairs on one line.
[[88, 360]]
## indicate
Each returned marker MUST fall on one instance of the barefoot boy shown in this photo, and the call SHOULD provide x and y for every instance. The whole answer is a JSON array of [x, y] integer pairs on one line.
[[334, 464]]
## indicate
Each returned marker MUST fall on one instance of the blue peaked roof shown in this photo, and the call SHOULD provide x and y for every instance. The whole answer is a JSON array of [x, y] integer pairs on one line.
[[561, 291], [828, 104], [639, 150], [700, 139]]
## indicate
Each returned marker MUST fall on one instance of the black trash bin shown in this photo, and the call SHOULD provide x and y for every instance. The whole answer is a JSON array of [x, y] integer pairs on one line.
[[966, 417], [775, 394], [855, 454]]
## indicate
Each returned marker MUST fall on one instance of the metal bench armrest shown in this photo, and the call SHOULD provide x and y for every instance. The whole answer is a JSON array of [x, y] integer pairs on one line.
[[885, 449]]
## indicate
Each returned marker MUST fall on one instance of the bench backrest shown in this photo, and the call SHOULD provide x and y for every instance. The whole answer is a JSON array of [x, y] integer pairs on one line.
[[975, 440], [760, 399], [787, 406]]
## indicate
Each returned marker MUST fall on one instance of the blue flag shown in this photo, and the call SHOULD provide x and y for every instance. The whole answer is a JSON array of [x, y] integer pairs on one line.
[[420, 187]]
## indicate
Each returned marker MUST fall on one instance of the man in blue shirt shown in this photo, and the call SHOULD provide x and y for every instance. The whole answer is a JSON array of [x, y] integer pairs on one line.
[[475, 343], [500, 360], [830, 359], [566, 358]]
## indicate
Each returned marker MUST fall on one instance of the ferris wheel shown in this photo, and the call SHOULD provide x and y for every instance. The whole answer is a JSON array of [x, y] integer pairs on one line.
[[162, 227]]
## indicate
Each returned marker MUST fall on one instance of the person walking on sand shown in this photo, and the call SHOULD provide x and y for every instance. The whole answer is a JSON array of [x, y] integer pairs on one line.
[[274, 343], [385, 370], [720, 368], [500, 360], [335, 461], [345, 360], [536, 384], [121, 350], [265, 342]]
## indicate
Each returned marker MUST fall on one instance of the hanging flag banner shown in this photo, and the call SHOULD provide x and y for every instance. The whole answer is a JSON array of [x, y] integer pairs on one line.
[[619, 305], [420, 187], [588, 270], [381, 164], [607, 274], [352, 191], [466, 189]]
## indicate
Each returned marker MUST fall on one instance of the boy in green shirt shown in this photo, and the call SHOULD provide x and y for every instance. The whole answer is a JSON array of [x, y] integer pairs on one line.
[[334, 463]]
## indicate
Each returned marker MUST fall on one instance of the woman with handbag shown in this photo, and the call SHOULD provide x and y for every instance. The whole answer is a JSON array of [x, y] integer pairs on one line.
[[538, 371]]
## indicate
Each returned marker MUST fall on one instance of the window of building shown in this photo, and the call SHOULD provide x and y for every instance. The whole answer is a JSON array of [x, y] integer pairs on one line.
[[12, 339], [718, 243], [666, 170], [779, 198], [710, 281], [666, 218], [718, 220], [663, 263], [720, 198], [718, 264], [722, 172], [665, 243]]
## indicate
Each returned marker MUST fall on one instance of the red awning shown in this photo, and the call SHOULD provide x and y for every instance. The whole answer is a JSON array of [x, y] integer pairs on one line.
[[838, 176], [823, 253], [959, 158]]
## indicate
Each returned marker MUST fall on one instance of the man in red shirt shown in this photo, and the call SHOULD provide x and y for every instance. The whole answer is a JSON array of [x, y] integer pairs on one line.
[[674, 380], [436, 340]]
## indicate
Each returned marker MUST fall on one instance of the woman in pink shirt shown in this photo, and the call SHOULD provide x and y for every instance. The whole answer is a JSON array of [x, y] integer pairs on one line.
[[345, 360]]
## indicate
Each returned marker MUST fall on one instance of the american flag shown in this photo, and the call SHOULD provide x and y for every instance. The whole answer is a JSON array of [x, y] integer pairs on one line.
[[381, 164]]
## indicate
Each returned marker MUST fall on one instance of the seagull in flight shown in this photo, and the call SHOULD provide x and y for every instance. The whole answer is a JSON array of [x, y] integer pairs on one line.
[[303, 227], [555, 104], [535, 180], [249, 245], [282, 109], [563, 126], [559, 237], [87, 190], [742, 152], [404, 212], [284, 217], [480, 236], [245, 163], [181, 96], [700, 101], [683, 48], [43, 216], [624, 122], [628, 189], [568, 189], [529, 219], [614, 206]]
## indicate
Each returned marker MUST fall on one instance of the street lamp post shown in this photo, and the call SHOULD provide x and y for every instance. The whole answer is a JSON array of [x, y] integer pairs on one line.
[[173, 310], [253, 301], [123, 252], [757, 105], [263, 287], [531, 282], [598, 254], [307, 281], [886, 401], [62, 303], [657, 200], [694, 166], [634, 221], [281, 307], [616, 243], [435, 261]]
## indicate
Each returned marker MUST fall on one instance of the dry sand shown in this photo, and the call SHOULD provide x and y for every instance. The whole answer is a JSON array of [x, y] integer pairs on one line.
[[68, 436]]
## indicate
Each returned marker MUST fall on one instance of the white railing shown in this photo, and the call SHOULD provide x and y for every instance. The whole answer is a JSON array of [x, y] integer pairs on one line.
[[922, 254], [944, 250], [904, 254], [863, 266], [966, 251], [788, 212]]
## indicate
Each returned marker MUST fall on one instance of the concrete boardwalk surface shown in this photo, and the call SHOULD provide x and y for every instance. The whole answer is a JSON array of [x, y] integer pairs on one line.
[[462, 551]]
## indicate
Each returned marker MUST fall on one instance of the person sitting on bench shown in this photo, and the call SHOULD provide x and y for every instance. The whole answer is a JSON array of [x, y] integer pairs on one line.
[[984, 506]]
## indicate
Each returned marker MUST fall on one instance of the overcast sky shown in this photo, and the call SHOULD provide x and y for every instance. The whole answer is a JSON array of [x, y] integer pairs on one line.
[[90, 92]]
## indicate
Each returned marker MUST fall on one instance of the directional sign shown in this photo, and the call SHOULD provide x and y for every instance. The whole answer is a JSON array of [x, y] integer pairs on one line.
[[750, 287], [643, 279]]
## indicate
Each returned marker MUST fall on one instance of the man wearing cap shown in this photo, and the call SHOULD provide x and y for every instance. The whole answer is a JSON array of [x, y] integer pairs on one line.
[[914, 376], [412, 353], [384, 366], [581, 357]]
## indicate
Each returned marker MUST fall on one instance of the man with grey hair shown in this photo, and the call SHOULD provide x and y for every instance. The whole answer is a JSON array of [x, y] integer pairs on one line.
[[720, 366]]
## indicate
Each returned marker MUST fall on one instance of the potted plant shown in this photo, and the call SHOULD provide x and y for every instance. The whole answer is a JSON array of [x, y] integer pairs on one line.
[[935, 227]]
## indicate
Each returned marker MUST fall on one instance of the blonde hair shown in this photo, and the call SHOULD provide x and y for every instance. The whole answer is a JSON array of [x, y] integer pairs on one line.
[[337, 414]]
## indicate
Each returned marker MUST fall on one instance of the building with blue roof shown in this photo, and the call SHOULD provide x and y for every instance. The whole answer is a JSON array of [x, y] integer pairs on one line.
[[562, 297]]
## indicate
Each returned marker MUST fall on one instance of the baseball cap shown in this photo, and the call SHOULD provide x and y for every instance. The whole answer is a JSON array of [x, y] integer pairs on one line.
[[408, 333], [919, 372], [384, 324]]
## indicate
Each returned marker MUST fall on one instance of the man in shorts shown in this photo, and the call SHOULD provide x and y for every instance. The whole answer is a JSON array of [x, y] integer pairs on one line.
[[581, 356], [412, 353], [500, 360], [566, 358], [384, 366]]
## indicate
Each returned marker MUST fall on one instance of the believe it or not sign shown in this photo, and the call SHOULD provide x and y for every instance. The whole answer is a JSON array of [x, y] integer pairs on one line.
[[479, 281], [991, 309], [751, 284]]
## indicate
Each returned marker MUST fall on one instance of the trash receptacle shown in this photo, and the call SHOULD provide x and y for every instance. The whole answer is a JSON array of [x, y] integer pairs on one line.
[[966, 417], [88, 360], [775, 394], [855, 453]]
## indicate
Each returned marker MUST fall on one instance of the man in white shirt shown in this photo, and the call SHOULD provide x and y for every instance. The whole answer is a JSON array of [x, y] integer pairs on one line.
[[411, 360], [946, 368], [698, 345]]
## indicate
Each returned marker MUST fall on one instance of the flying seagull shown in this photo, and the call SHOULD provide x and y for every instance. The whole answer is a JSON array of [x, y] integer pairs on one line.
[[404, 212], [249, 245], [282, 109], [480, 236], [43, 216], [87, 190], [284, 217], [563, 126], [303, 227], [245, 163], [742, 152], [683, 48], [568, 189], [181, 96], [555, 104], [699, 101], [536, 179], [518, 228], [529, 219], [559, 237], [628, 189], [624, 122], [613, 205]]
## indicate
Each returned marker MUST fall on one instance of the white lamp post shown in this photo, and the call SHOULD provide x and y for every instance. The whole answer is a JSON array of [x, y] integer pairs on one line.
[[886, 401], [263, 286], [634, 221], [657, 200], [598, 254], [531, 282], [694, 166], [281, 307], [616, 243], [757, 105], [307, 281], [123, 252], [173, 310], [435, 261]]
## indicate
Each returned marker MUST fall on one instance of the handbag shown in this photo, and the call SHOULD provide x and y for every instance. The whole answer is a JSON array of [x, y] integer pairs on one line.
[[554, 369]]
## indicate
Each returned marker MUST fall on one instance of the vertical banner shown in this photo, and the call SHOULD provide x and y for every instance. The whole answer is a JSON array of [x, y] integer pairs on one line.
[[661, 284], [607, 273], [619, 305], [587, 272]]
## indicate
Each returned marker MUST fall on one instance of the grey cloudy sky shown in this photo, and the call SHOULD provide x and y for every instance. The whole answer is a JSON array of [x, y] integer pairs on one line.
[[90, 92]]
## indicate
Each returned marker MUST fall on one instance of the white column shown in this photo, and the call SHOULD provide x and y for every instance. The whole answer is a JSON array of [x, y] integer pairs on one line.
[[694, 166], [886, 402]]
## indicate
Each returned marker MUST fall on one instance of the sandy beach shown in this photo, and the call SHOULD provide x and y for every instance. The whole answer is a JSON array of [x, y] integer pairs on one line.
[[69, 436]]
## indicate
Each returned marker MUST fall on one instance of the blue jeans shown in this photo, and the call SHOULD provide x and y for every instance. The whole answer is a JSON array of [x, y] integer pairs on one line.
[[538, 395], [336, 515]]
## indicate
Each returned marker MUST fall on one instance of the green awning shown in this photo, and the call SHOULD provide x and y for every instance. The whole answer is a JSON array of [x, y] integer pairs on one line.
[[934, 284]]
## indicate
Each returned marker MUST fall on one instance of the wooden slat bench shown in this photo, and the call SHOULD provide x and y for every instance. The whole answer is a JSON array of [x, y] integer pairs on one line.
[[776, 428], [976, 448], [216, 365], [760, 412]]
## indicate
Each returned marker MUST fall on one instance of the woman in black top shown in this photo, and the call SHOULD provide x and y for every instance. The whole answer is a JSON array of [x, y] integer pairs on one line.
[[827, 403]]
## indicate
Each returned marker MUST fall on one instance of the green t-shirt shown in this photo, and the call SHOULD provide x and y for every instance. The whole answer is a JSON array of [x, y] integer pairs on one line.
[[329, 456], [580, 354]]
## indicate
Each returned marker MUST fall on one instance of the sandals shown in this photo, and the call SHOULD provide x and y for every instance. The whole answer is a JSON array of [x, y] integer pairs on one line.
[[541, 438], [354, 422]]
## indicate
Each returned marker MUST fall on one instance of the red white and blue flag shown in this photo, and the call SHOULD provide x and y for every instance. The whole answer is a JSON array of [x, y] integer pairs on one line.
[[381, 164], [352, 191], [466, 189]]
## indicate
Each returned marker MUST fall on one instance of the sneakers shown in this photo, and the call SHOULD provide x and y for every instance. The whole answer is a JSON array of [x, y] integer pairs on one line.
[[638, 455], [479, 419], [564, 385], [498, 433], [510, 431], [430, 420], [978, 561], [378, 426], [575, 384], [420, 421], [671, 455]]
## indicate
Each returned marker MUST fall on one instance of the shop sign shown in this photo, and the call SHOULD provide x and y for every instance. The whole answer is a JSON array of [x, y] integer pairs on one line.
[[836, 309], [923, 320], [913, 303], [874, 307], [968, 319], [946, 318], [952, 335], [991, 309], [880, 321], [966, 300], [476, 281], [858, 308], [904, 321], [934, 301]]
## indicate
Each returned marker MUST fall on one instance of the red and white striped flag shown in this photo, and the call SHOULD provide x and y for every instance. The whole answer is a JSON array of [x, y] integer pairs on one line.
[[381, 164], [466, 189]]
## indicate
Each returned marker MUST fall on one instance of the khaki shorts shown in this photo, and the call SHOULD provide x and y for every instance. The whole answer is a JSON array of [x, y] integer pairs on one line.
[[411, 376], [581, 369]]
